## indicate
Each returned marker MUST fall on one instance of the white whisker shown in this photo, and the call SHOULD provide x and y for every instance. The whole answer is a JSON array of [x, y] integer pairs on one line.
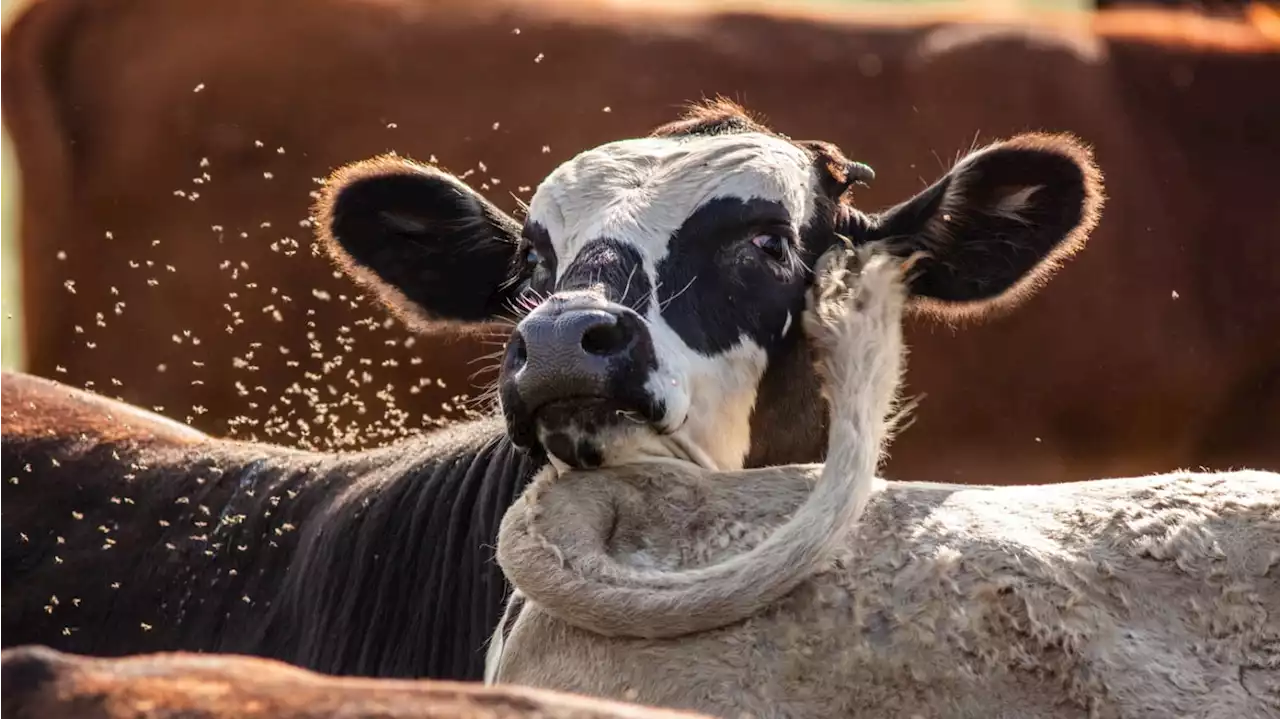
[[663, 304]]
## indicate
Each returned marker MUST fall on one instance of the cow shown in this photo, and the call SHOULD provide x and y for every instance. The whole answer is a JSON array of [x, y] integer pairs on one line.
[[819, 591], [39, 683], [1213, 7], [1109, 372], [660, 282]]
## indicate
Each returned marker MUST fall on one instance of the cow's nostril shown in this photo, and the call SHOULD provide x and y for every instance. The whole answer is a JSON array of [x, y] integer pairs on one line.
[[604, 340]]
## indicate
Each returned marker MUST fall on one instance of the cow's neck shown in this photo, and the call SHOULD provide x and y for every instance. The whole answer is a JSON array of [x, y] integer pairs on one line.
[[789, 420]]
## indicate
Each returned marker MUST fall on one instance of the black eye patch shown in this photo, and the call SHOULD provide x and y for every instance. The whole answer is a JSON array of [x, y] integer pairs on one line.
[[714, 286]]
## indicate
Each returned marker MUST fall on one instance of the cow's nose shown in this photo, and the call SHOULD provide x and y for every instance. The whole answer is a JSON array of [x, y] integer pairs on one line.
[[570, 353]]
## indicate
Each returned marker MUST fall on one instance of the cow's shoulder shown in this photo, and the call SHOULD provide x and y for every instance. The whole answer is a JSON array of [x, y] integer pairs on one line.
[[35, 407]]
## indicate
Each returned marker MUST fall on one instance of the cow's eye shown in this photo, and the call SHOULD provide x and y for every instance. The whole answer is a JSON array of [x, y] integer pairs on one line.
[[772, 243], [531, 256]]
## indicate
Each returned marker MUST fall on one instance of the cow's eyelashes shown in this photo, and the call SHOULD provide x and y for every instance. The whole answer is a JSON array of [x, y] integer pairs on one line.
[[535, 266], [771, 243], [774, 242], [531, 256]]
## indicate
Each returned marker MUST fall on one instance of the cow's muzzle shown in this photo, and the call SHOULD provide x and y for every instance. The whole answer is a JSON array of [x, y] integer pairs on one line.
[[578, 361]]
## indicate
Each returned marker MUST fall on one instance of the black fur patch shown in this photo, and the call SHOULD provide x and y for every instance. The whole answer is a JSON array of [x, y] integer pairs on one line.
[[539, 276], [583, 454], [615, 267], [714, 286]]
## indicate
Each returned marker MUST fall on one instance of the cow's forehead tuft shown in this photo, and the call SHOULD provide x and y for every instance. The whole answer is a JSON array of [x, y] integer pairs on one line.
[[648, 186]]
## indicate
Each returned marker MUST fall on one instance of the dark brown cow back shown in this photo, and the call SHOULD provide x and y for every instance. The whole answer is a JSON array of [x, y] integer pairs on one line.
[[34, 407]]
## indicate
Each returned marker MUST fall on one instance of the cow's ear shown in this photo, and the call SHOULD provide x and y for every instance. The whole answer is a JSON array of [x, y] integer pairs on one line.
[[996, 226], [431, 247]]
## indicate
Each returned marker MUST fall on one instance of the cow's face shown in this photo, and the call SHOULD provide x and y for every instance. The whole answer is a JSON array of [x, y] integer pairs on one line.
[[673, 270], [659, 281]]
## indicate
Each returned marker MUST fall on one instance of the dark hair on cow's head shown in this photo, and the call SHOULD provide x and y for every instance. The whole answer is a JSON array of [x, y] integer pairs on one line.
[[668, 272], [719, 116]]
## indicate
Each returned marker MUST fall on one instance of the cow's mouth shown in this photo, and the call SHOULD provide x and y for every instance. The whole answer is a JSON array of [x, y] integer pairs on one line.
[[577, 430]]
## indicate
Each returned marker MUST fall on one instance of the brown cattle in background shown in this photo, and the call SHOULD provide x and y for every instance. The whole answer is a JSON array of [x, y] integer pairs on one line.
[[177, 134], [40, 683]]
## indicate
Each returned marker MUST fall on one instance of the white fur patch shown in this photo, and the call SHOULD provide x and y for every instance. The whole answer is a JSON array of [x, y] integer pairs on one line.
[[641, 191]]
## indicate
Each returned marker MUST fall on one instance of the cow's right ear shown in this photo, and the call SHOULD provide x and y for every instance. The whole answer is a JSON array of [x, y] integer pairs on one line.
[[430, 246]]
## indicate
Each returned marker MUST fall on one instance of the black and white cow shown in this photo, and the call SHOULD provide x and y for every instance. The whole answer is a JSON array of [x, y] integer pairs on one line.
[[658, 283]]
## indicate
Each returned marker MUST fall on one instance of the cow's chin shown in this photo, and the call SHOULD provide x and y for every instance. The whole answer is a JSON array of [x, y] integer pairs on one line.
[[586, 433]]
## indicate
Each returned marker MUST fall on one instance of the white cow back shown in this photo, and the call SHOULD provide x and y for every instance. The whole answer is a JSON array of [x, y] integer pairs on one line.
[[1144, 597]]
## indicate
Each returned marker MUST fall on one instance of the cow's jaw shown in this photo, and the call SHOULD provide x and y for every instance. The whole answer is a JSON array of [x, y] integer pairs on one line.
[[709, 399]]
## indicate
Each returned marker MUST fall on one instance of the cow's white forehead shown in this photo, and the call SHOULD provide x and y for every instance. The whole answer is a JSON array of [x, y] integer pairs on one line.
[[641, 191]]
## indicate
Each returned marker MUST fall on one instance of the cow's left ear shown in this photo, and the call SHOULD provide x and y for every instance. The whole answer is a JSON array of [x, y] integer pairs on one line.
[[429, 245], [997, 225]]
